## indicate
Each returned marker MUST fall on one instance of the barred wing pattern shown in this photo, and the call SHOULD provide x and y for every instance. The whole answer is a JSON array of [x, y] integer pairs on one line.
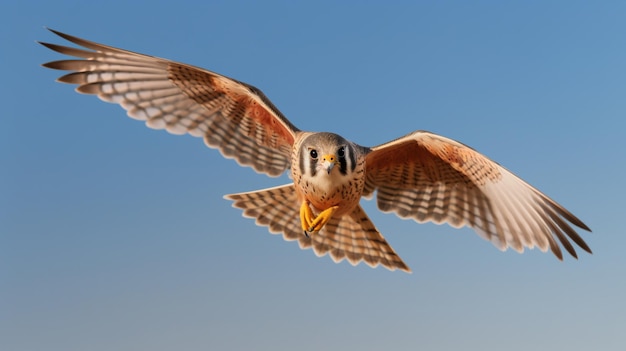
[[355, 237], [428, 177], [352, 236], [231, 116]]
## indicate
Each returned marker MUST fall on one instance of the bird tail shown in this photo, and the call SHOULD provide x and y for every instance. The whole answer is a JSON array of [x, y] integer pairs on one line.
[[276, 208], [352, 236]]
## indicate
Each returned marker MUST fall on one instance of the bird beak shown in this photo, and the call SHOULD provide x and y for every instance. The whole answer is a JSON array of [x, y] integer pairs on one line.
[[328, 162]]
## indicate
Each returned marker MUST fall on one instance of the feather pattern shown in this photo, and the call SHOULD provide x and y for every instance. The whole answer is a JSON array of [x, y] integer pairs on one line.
[[428, 177], [232, 116], [353, 237]]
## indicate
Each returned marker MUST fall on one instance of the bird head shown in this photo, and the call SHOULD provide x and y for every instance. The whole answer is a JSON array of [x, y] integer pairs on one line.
[[326, 153]]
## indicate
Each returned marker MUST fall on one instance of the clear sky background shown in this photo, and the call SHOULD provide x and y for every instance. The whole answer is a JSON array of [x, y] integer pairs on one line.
[[116, 237]]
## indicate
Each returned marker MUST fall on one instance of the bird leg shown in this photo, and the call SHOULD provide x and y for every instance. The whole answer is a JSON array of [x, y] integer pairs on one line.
[[320, 221], [306, 217], [310, 224]]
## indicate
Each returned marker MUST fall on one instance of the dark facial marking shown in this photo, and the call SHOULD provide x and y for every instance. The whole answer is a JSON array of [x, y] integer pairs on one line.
[[352, 159], [313, 162], [343, 166]]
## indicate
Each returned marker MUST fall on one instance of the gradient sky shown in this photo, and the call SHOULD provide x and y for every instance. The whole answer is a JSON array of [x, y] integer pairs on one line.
[[116, 237]]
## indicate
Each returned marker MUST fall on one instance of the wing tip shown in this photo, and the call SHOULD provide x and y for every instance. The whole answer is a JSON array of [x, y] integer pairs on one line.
[[61, 34]]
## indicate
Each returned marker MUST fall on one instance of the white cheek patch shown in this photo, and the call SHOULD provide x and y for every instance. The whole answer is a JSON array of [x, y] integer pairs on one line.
[[306, 163]]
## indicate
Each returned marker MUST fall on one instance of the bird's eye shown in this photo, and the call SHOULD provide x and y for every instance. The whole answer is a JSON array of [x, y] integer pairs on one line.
[[341, 152], [313, 154]]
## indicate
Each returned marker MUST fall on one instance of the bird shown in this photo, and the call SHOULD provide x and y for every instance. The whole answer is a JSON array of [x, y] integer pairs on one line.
[[420, 176]]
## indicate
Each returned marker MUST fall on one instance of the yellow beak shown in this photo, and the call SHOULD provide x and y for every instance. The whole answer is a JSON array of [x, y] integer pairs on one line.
[[328, 162]]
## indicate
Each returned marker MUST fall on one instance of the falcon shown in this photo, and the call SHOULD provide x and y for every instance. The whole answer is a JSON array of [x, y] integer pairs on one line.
[[421, 176]]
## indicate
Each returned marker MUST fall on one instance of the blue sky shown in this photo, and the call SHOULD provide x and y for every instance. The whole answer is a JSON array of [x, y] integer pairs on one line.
[[116, 237]]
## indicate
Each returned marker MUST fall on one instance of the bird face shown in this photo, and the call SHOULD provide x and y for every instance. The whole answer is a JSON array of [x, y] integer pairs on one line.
[[326, 155]]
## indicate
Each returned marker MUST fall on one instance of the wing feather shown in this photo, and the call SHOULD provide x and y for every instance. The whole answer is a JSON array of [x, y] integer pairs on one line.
[[231, 116], [428, 177]]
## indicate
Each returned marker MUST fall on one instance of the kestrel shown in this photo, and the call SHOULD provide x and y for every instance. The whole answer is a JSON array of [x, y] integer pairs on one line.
[[422, 176]]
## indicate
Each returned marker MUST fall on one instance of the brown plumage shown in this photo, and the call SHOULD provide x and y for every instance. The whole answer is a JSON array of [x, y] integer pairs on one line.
[[422, 176]]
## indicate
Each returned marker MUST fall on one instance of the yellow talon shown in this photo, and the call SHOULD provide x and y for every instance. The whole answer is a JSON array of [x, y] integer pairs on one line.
[[310, 224], [306, 216], [320, 221]]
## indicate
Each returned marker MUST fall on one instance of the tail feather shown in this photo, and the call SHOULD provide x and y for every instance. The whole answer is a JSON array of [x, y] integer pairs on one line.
[[352, 236], [276, 208], [355, 238]]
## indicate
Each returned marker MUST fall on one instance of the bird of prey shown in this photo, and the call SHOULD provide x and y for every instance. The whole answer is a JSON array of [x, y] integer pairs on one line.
[[421, 176]]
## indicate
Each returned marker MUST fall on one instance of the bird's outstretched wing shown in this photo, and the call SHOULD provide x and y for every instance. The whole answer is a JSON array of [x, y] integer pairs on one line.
[[232, 116], [427, 177]]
